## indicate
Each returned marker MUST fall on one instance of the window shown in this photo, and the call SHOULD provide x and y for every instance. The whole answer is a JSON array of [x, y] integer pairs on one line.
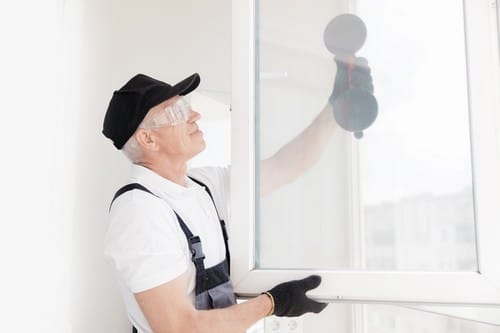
[[405, 215]]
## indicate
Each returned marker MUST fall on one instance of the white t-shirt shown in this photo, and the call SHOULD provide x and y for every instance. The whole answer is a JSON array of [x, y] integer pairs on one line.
[[144, 242]]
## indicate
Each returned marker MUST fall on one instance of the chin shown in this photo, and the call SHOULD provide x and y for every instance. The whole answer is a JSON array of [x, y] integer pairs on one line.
[[202, 146], [199, 149]]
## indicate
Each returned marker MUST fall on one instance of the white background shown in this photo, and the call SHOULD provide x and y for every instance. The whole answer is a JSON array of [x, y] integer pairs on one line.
[[60, 62]]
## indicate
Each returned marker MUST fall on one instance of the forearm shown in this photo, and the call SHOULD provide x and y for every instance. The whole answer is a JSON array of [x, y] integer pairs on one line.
[[234, 319], [168, 309], [299, 154]]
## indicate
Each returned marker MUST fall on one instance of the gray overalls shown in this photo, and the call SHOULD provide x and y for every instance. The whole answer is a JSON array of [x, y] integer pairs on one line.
[[213, 287]]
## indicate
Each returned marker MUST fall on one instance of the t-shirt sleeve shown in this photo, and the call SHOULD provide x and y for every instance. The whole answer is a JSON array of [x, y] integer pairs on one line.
[[143, 242]]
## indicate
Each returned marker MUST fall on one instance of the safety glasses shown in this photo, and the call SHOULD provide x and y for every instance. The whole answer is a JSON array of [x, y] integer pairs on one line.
[[172, 115]]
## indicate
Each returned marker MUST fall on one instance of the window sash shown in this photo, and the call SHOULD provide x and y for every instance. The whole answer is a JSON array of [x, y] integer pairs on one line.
[[396, 287]]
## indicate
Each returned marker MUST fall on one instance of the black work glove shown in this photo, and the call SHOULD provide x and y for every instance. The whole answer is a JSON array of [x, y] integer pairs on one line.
[[360, 77], [290, 298]]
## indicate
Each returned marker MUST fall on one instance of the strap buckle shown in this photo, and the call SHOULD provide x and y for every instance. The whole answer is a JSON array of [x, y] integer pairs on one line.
[[195, 248]]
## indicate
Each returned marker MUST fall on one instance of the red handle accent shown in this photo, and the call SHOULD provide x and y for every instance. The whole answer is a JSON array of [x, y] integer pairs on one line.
[[351, 63]]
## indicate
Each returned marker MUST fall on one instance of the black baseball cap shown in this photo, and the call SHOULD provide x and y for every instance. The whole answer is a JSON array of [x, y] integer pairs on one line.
[[130, 104]]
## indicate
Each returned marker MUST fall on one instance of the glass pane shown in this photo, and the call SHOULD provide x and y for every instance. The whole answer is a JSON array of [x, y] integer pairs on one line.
[[401, 197]]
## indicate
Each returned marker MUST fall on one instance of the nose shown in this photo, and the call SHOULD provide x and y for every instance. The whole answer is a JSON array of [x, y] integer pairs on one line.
[[194, 116]]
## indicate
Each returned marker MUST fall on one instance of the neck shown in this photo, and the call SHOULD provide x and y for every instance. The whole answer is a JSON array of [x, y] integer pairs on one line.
[[175, 171]]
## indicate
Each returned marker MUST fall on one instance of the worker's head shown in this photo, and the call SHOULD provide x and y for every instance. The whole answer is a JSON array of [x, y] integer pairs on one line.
[[150, 116]]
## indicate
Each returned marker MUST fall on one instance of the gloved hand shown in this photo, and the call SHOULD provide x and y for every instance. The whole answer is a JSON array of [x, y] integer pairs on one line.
[[290, 298], [360, 77]]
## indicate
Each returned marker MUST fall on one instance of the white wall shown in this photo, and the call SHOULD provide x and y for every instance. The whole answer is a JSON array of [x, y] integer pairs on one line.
[[61, 61], [35, 224]]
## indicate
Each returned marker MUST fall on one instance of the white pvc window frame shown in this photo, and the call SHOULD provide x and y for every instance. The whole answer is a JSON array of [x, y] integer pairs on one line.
[[481, 288]]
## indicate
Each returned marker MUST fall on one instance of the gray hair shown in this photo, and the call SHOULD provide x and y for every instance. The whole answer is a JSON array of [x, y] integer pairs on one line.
[[132, 150]]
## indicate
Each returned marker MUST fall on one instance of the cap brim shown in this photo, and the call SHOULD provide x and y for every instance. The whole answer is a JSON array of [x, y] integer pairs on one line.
[[166, 92], [187, 85]]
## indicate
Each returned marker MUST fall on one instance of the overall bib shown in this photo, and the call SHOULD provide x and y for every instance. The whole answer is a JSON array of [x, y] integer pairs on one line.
[[213, 288]]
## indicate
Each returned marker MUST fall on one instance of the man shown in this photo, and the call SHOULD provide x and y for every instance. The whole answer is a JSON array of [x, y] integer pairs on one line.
[[166, 238]]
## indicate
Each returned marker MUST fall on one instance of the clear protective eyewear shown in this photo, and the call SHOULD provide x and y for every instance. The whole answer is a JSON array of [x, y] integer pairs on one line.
[[174, 114]]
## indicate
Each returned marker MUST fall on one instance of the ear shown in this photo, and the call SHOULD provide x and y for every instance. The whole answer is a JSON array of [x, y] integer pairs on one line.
[[147, 139]]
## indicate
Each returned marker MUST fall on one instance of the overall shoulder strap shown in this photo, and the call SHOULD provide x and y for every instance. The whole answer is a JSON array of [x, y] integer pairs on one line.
[[137, 186], [209, 194], [130, 187], [194, 242], [222, 222]]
